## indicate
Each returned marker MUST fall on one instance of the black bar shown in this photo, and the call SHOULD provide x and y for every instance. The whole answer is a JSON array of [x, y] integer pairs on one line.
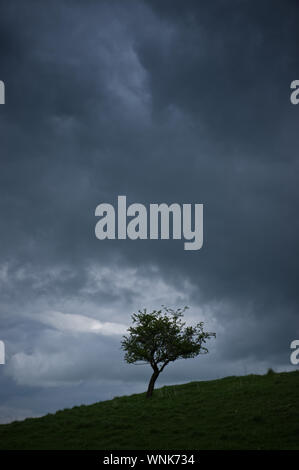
[[140, 458]]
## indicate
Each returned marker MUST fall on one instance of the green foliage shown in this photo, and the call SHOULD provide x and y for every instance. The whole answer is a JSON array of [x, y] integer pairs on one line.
[[161, 337], [248, 412]]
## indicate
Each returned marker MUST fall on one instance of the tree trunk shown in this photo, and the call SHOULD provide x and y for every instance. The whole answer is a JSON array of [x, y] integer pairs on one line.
[[152, 384]]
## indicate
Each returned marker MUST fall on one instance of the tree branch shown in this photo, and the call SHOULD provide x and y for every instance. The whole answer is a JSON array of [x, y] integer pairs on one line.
[[165, 364]]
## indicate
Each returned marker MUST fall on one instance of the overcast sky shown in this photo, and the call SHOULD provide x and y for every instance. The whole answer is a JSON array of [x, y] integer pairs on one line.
[[161, 101]]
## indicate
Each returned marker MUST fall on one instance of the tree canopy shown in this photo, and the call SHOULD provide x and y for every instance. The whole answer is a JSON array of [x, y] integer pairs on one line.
[[160, 337]]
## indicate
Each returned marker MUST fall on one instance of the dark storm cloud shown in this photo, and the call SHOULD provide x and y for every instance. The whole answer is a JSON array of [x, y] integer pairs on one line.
[[164, 102]]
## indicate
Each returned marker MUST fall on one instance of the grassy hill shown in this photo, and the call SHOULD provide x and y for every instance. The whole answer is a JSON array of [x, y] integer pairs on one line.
[[248, 412]]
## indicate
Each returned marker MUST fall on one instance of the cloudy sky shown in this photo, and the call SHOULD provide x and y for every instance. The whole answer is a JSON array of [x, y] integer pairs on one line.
[[171, 101]]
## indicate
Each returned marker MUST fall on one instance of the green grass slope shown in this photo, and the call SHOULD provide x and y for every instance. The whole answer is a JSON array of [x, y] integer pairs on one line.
[[249, 412]]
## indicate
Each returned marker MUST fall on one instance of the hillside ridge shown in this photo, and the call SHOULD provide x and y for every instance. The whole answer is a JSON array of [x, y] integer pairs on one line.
[[237, 412]]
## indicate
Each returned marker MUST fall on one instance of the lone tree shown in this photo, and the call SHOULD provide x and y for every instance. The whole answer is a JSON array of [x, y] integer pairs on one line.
[[161, 337]]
